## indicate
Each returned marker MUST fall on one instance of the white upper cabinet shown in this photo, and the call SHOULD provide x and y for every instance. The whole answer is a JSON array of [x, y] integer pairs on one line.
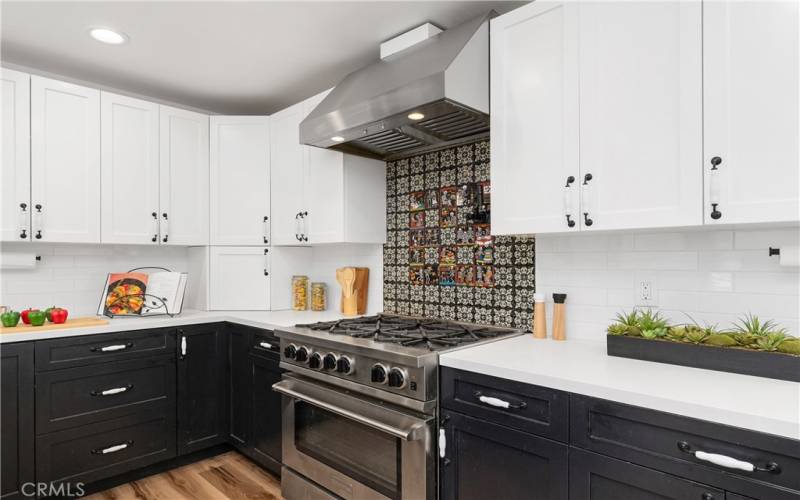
[[65, 162], [750, 74], [240, 180], [286, 165], [534, 120], [239, 279], [15, 176], [129, 159], [184, 177], [597, 116], [322, 196], [640, 114]]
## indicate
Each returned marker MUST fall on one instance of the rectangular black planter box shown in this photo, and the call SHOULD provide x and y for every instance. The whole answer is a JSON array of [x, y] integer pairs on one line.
[[775, 365]]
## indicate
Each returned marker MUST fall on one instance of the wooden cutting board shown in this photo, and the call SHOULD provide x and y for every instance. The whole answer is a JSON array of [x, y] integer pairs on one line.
[[70, 323]]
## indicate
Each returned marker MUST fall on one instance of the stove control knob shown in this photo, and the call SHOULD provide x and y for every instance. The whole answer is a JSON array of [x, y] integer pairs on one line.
[[290, 351], [301, 355], [315, 361], [345, 365], [329, 361], [378, 374], [397, 378]]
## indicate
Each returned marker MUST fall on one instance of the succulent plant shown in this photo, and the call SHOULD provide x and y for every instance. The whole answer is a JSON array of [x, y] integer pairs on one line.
[[743, 339], [617, 329], [649, 320], [695, 334], [676, 333], [654, 333], [630, 321], [790, 346], [720, 339], [752, 325], [770, 341]]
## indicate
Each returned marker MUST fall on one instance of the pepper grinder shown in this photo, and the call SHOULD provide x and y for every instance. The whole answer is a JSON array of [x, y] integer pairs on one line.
[[559, 316], [539, 319]]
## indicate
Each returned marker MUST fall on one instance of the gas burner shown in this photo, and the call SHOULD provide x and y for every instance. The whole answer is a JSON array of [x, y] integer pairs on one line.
[[429, 333]]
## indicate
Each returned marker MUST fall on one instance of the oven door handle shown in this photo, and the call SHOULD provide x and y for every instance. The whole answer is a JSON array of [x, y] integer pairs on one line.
[[397, 424]]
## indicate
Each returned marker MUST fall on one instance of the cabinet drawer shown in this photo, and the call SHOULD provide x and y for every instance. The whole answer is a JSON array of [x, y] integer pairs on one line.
[[265, 343], [79, 396], [595, 477], [667, 442], [105, 449], [90, 349], [533, 409]]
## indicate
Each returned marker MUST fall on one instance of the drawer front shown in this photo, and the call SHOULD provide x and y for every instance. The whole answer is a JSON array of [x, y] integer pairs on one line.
[[595, 477], [79, 396], [533, 409], [265, 343], [669, 442], [91, 349], [105, 449]]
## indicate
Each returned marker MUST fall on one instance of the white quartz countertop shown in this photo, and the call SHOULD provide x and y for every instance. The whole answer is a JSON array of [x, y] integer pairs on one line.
[[583, 367], [259, 319]]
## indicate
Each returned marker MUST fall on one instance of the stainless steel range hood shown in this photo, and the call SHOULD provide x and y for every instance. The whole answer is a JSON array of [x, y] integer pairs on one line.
[[444, 78]]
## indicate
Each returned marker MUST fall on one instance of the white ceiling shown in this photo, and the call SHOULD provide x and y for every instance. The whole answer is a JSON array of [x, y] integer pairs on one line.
[[225, 57]]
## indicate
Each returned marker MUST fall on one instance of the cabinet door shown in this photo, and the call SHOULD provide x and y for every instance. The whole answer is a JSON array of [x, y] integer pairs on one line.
[[15, 176], [240, 187], [239, 393], [65, 162], [597, 477], [287, 174], [641, 114], [324, 188], [239, 279], [266, 412], [16, 407], [750, 77], [184, 177], [129, 164], [534, 120], [202, 400], [484, 460]]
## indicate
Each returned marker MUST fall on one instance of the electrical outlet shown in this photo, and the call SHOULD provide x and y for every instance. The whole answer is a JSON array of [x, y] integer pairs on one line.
[[645, 291], [646, 294]]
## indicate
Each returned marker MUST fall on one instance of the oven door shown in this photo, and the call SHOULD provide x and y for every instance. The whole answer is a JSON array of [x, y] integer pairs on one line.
[[354, 446]]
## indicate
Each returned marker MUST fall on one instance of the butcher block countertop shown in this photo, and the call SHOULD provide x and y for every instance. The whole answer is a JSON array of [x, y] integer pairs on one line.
[[583, 367]]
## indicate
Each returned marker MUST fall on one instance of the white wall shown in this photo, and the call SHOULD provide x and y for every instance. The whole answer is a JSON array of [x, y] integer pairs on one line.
[[73, 276], [714, 275], [326, 259]]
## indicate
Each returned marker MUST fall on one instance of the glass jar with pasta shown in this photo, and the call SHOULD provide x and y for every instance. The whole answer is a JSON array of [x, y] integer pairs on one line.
[[319, 296], [299, 293]]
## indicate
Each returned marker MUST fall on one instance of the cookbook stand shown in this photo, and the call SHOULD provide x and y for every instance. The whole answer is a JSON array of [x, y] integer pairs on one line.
[[156, 306]]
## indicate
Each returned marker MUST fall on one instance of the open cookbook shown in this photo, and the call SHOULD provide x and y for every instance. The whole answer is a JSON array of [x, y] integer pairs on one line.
[[137, 293]]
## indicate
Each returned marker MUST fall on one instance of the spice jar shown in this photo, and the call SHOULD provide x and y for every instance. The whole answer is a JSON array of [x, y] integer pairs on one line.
[[299, 293], [318, 296]]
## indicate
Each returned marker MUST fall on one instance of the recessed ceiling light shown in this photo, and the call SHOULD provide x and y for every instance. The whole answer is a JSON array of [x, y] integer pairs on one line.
[[416, 115], [108, 36], [337, 138]]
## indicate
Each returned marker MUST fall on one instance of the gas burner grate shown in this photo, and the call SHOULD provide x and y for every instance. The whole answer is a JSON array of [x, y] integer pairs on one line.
[[433, 334]]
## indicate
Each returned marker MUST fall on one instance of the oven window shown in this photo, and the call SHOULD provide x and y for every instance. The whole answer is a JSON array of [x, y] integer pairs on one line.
[[367, 455]]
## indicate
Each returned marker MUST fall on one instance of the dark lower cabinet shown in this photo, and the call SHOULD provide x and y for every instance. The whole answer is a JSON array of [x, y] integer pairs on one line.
[[16, 407], [238, 385], [597, 477], [484, 460], [202, 381], [266, 412]]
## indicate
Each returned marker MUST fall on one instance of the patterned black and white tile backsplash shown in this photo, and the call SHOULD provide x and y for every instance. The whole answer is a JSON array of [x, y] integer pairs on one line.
[[440, 259]]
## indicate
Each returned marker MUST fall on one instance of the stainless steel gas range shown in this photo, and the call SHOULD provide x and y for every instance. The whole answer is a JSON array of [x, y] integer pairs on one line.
[[360, 401]]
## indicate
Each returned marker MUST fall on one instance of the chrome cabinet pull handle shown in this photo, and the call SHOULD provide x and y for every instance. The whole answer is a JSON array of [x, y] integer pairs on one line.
[[266, 262], [568, 201], [265, 229], [304, 233], [297, 229], [265, 345], [726, 461], [111, 392], [585, 200], [499, 403], [38, 218], [442, 443], [183, 346], [112, 448], [154, 215], [112, 348]]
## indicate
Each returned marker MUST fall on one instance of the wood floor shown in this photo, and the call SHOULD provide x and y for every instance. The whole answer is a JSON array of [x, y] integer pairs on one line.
[[227, 476]]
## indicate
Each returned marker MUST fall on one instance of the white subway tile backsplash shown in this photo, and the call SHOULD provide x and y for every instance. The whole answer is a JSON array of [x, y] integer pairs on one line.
[[712, 276]]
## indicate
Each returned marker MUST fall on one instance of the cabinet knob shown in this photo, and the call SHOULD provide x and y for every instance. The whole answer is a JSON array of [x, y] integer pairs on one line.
[[570, 222], [586, 220], [715, 162]]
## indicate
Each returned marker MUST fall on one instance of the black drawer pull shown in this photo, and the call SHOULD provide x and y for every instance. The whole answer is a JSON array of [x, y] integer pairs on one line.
[[112, 348], [499, 403], [726, 461], [113, 391], [113, 448]]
